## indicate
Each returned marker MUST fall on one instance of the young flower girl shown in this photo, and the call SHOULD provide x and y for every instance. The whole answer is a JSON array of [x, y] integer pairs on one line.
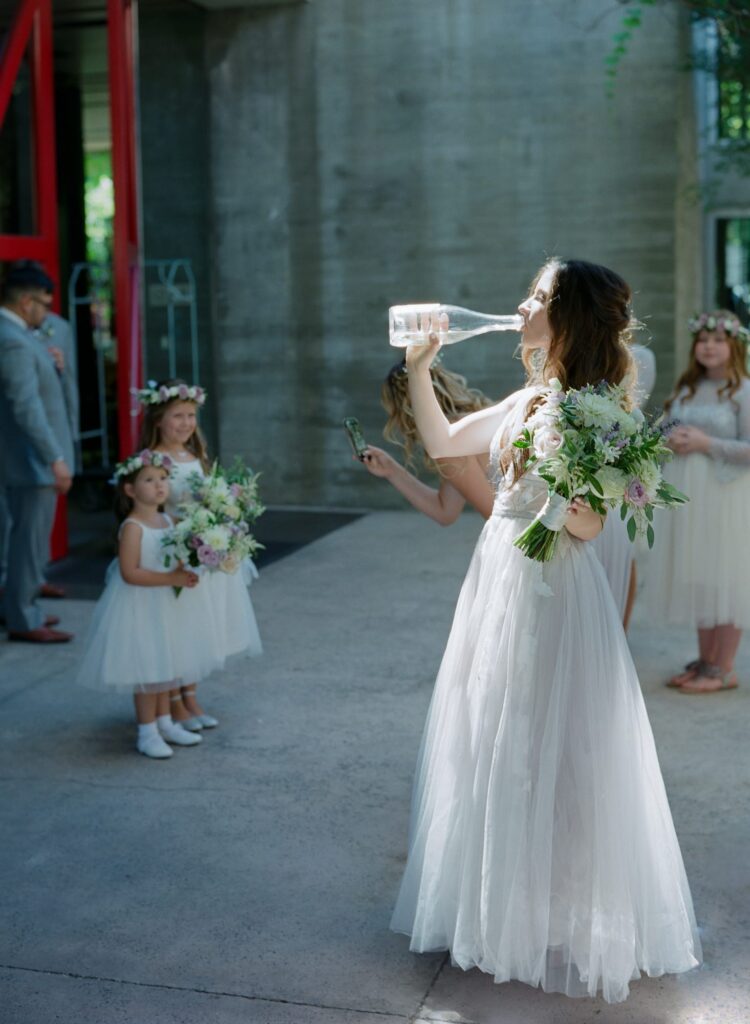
[[136, 642], [170, 425], [701, 567]]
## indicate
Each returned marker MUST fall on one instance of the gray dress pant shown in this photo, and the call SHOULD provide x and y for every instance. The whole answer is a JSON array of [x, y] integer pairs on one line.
[[31, 511]]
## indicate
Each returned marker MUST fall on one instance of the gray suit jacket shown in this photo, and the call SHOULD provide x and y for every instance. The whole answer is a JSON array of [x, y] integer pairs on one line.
[[56, 332], [34, 426]]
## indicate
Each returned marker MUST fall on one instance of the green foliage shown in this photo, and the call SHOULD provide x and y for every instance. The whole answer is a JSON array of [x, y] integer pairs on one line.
[[99, 204], [730, 63]]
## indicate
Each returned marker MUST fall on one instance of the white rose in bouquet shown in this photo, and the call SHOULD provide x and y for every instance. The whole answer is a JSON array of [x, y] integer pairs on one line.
[[217, 538], [547, 440]]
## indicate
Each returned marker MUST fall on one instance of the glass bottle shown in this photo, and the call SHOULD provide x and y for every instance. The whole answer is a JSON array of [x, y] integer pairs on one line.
[[412, 325]]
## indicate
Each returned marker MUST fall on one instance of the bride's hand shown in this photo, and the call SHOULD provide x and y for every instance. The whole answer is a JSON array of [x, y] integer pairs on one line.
[[422, 356], [583, 522]]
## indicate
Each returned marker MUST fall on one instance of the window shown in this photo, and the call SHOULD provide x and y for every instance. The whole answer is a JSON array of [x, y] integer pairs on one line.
[[733, 266], [733, 74]]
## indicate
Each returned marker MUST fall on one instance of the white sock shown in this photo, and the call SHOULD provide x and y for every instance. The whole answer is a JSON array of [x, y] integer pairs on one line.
[[165, 722], [149, 729]]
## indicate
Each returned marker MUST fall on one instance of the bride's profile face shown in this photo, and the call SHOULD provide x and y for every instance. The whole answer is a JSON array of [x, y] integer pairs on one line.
[[536, 332]]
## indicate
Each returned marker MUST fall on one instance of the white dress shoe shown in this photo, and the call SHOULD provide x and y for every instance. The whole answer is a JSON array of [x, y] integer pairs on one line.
[[176, 734], [154, 746], [207, 721], [193, 724]]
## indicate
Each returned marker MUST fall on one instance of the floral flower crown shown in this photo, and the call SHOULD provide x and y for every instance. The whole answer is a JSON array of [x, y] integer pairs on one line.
[[140, 460], [153, 394], [710, 322]]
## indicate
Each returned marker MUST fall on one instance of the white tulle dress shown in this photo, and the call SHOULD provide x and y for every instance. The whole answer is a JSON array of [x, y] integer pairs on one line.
[[139, 639], [700, 571], [226, 594], [542, 847]]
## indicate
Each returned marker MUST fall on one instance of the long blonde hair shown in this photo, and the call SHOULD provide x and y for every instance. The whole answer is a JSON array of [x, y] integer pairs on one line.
[[454, 396], [150, 435], [694, 374]]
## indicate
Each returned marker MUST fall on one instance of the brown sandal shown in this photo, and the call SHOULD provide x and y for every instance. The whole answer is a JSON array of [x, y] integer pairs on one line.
[[727, 681], [691, 671]]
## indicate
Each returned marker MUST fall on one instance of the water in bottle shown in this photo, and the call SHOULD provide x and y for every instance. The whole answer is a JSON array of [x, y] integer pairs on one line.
[[413, 325]]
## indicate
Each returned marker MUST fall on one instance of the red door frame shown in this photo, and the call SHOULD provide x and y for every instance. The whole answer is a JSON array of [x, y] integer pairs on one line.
[[122, 18], [32, 26]]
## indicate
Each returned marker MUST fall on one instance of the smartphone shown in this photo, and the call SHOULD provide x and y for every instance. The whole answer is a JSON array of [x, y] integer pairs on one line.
[[356, 437]]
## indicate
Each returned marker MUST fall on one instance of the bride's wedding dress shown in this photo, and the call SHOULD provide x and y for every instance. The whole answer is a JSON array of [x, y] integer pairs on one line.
[[542, 846]]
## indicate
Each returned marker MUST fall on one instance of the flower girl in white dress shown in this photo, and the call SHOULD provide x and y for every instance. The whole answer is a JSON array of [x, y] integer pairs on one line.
[[136, 641], [542, 847], [170, 425], [701, 568]]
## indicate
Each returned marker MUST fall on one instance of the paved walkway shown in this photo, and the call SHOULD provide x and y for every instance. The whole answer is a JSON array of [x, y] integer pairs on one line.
[[251, 879]]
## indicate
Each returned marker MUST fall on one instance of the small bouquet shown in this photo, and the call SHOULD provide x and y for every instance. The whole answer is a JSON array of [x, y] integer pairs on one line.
[[586, 443], [213, 531]]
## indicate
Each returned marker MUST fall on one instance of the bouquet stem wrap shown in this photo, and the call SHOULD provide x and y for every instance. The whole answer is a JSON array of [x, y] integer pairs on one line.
[[539, 540]]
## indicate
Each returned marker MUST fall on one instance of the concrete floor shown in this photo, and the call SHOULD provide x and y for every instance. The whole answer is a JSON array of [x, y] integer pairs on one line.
[[251, 879]]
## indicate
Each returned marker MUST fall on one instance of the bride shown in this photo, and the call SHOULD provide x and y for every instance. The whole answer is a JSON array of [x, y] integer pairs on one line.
[[542, 846]]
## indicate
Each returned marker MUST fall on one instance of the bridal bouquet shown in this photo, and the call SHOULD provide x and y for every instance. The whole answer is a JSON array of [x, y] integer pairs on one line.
[[213, 530], [586, 443]]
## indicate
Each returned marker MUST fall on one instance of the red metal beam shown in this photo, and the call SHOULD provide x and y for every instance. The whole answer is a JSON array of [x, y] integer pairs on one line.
[[121, 16], [13, 50], [32, 28]]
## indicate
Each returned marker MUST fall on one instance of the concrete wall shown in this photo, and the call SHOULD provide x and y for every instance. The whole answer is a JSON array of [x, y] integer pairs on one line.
[[175, 172], [368, 152]]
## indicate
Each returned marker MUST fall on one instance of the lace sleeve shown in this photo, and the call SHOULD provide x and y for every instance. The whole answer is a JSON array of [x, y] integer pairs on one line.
[[736, 452]]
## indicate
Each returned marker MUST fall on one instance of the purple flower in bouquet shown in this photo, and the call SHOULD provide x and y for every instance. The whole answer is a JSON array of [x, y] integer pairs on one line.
[[636, 494], [195, 542], [208, 557]]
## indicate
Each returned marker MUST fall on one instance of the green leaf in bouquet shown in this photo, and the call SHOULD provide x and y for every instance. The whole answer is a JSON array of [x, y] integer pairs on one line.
[[650, 535], [623, 511], [595, 484], [632, 528], [649, 510]]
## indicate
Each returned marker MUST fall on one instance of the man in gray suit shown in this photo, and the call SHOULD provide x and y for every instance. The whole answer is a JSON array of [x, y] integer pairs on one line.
[[56, 336], [36, 454]]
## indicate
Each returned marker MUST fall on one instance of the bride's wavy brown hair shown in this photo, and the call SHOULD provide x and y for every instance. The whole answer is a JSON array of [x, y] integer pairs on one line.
[[590, 331], [150, 436], [736, 371], [454, 396]]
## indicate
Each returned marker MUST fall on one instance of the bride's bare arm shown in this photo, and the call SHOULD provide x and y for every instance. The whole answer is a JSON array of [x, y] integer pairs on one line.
[[470, 435]]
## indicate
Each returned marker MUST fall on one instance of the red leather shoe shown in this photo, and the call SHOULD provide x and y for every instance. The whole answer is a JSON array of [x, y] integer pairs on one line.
[[43, 635], [50, 590]]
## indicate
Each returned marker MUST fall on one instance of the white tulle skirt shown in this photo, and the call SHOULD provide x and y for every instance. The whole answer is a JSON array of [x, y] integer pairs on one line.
[[233, 611], [699, 572], [142, 638], [615, 551], [542, 847]]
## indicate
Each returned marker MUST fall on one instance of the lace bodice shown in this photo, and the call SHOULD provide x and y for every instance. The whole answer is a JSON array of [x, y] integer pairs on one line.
[[179, 488], [726, 420], [523, 498]]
